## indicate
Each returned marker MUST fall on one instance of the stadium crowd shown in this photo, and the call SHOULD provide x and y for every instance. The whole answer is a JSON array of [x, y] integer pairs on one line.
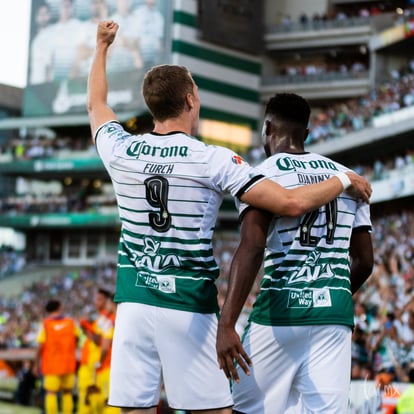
[[11, 260], [357, 113], [345, 15]]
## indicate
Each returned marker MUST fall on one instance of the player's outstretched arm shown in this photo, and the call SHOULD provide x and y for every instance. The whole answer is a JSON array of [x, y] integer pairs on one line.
[[243, 271], [270, 196], [98, 109]]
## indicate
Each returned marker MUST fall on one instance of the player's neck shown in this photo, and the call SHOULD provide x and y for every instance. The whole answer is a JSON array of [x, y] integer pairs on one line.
[[170, 125]]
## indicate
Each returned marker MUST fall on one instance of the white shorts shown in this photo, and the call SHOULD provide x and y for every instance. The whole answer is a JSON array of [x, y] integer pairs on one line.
[[153, 345], [296, 369]]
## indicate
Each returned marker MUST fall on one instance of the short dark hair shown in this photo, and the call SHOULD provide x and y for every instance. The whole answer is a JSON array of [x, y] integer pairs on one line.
[[164, 90], [52, 305], [289, 107], [105, 292]]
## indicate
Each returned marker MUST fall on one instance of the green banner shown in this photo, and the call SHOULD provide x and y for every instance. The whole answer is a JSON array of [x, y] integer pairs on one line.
[[84, 220], [52, 165]]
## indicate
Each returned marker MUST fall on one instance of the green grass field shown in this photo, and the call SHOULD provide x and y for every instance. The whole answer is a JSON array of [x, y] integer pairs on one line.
[[8, 408]]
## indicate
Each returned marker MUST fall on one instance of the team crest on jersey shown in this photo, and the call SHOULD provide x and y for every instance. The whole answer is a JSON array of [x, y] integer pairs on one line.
[[112, 130], [236, 159]]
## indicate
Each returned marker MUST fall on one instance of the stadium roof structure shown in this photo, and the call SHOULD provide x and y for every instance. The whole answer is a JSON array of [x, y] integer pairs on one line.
[[11, 96]]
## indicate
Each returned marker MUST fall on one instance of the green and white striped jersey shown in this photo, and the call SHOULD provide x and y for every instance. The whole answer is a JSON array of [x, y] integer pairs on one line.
[[307, 266], [169, 189]]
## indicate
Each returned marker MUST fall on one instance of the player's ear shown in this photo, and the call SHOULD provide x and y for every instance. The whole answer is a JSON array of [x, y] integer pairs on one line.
[[189, 101], [267, 128]]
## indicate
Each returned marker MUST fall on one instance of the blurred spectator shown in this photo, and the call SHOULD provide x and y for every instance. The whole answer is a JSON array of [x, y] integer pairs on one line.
[[124, 54], [150, 25], [85, 42], [66, 33], [40, 48], [26, 384]]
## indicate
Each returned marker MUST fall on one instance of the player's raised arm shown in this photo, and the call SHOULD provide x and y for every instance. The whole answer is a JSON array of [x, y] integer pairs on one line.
[[98, 109]]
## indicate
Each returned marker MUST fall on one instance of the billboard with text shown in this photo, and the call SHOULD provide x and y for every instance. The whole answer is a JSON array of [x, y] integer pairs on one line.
[[62, 42]]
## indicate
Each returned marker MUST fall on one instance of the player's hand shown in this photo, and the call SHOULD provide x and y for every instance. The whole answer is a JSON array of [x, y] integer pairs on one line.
[[230, 352], [360, 187], [106, 31]]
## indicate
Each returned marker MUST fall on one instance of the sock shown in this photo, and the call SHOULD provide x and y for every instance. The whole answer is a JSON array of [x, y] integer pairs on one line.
[[51, 403], [67, 403]]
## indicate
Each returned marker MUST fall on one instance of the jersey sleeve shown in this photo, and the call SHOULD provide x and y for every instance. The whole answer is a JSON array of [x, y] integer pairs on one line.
[[104, 327], [107, 137], [241, 207], [41, 335], [362, 217], [231, 173]]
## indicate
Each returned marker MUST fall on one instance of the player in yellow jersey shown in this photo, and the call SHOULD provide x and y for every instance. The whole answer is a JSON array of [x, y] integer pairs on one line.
[[89, 357], [103, 335], [56, 357]]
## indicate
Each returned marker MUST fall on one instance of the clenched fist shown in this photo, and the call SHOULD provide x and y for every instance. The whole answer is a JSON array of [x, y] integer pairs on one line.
[[107, 31]]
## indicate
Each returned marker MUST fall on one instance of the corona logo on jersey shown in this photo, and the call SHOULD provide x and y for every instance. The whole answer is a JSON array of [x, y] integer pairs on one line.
[[291, 164], [138, 148]]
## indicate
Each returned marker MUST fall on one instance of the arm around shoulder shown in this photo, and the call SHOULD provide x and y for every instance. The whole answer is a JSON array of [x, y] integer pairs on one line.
[[270, 196]]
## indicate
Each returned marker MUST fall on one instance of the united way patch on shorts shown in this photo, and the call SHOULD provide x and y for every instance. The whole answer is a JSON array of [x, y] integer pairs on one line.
[[309, 298]]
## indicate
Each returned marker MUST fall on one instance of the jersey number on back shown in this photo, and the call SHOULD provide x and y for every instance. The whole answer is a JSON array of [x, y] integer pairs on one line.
[[331, 212], [157, 195]]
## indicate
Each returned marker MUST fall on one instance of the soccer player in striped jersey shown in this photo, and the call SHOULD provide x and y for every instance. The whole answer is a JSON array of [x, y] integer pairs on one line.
[[296, 348], [169, 187]]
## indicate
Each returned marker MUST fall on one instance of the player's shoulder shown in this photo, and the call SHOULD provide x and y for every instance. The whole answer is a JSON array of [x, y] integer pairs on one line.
[[209, 151], [110, 127]]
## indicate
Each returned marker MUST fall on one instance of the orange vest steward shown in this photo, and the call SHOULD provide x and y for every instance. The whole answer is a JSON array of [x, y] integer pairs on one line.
[[59, 350]]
